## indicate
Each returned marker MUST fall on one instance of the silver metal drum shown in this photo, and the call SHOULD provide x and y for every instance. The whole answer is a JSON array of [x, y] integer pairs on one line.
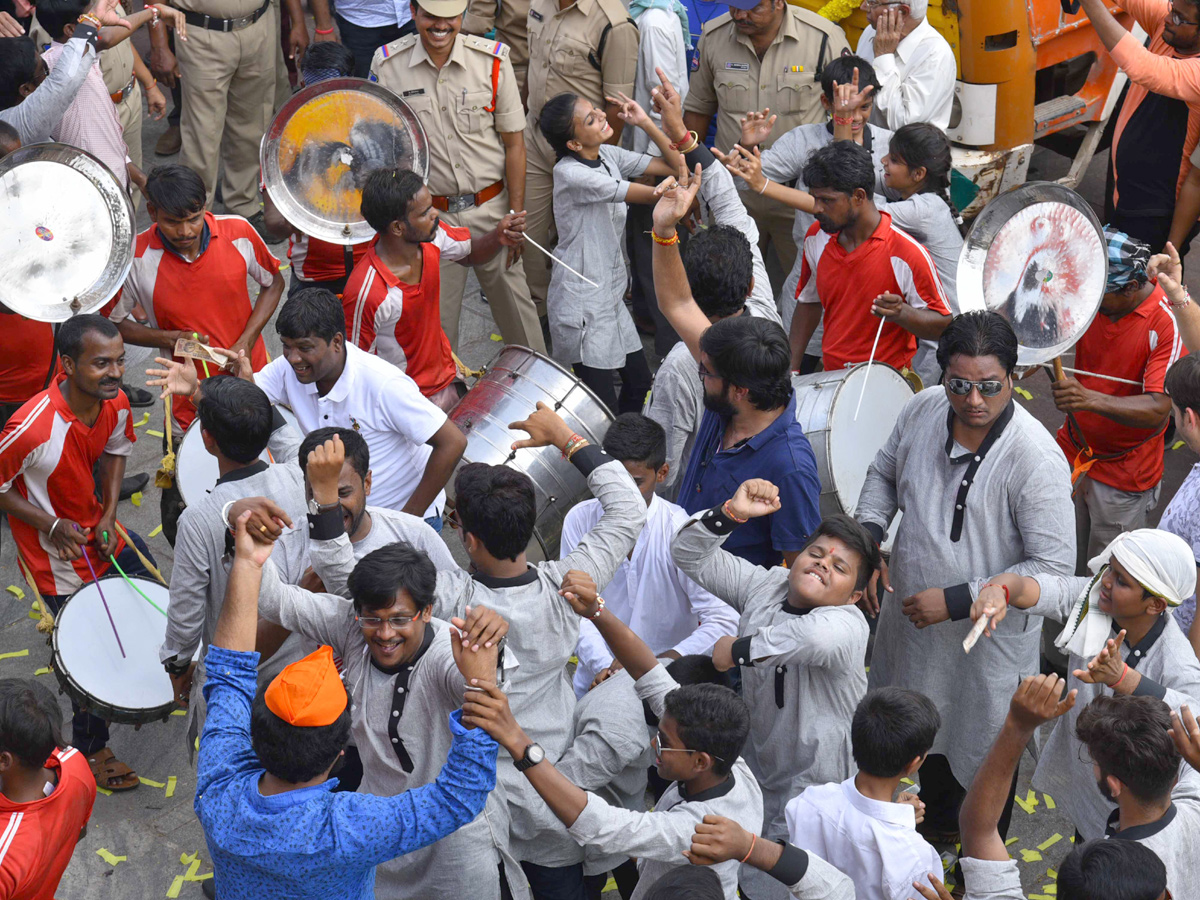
[[508, 391], [66, 232], [1036, 255], [197, 470], [322, 145], [845, 447]]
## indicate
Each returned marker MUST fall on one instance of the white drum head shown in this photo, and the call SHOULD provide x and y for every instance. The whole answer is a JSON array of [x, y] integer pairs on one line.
[[196, 470], [854, 443], [87, 650]]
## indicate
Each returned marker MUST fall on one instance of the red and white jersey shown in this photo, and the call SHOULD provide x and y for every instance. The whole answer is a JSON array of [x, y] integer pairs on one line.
[[37, 838], [890, 261], [317, 261], [402, 322], [28, 357], [47, 455], [208, 295]]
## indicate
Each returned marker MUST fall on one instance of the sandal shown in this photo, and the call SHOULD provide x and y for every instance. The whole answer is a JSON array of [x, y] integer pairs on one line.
[[110, 773]]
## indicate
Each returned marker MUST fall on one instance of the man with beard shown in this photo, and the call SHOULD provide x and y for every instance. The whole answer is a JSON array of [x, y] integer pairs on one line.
[[749, 429], [47, 452], [392, 300], [852, 252]]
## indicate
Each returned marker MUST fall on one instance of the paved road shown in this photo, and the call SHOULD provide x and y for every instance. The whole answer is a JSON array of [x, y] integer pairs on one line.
[[152, 830]]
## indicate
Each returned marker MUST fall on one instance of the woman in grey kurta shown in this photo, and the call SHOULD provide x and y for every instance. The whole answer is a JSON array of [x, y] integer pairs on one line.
[[1016, 516], [590, 327]]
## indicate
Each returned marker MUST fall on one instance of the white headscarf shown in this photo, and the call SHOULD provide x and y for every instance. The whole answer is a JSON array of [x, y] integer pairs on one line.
[[1159, 561]]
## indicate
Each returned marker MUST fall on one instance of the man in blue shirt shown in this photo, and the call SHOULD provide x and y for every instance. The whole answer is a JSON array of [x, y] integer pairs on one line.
[[749, 429], [263, 794]]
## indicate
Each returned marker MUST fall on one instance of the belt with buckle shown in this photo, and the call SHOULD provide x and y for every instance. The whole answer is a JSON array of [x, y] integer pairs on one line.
[[460, 202], [125, 91], [214, 24]]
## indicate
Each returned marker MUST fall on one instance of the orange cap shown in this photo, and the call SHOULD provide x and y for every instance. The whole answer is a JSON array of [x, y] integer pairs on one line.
[[309, 692]]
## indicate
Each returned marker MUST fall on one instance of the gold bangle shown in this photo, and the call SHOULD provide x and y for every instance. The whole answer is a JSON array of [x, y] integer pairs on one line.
[[89, 19], [665, 242], [693, 145]]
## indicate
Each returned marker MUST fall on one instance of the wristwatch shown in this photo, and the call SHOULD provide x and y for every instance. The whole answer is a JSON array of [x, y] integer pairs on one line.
[[315, 508], [534, 754]]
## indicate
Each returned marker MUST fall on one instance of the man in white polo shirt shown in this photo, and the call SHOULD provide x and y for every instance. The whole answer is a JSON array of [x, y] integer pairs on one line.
[[914, 63]]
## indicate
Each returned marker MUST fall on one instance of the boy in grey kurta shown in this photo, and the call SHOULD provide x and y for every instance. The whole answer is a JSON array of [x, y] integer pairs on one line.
[[801, 646], [968, 513], [395, 719]]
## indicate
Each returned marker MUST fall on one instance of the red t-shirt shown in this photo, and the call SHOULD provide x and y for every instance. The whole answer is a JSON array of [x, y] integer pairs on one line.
[[47, 455], [316, 260], [403, 322], [889, 262], [1139, 346], [37, 838], [208, 296], [27, 358]]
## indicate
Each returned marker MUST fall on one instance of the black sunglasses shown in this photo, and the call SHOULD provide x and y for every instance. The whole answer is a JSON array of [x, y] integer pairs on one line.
[[962, 387]]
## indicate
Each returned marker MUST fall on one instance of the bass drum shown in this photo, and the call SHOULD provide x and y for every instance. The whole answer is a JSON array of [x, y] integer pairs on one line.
[[843, 444], [196, 470], [508, 391]]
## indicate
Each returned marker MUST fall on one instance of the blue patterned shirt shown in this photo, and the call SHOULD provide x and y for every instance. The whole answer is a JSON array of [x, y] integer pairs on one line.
[[1182, 517], [312, 843]]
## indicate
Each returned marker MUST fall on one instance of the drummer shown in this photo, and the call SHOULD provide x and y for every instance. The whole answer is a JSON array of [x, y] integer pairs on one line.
[[1113, 432], [981, 487], [47, 452]]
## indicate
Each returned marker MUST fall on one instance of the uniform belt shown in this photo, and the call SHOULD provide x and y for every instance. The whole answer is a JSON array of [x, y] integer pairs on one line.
[[125, 91], [214, 24], [460, 202]]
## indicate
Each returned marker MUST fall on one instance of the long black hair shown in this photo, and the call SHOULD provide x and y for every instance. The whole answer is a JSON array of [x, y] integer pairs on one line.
[[922, 145], [557, 122]]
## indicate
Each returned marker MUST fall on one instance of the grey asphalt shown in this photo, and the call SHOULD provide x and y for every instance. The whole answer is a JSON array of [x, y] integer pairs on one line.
[[153, 832]]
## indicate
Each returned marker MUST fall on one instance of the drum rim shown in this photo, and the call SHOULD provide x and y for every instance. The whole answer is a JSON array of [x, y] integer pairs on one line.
[[556, 364]]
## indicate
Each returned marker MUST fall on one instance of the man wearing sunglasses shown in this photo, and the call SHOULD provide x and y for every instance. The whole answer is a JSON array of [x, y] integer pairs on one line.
[[981, 482]]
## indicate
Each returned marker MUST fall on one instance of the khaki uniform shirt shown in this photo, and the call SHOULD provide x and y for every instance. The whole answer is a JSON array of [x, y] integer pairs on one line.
[[731, 80], [116, 65], [220, 9], [466, 152], [565, 52]]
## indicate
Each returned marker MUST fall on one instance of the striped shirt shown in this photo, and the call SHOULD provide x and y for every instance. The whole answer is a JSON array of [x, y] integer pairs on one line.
[[47, 455], [91, 122]]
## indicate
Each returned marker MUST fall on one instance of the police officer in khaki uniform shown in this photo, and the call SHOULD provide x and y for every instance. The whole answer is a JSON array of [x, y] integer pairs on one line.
[[588, 47], [762, 53], [463, 89], [508, 17]]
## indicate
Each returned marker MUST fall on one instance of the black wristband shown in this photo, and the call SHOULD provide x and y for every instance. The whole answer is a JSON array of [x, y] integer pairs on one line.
[[741, 652], [717, 522], [588, 457], [327, 525], [958, 602], [87, 32], [277, 419], [176, 667], [1148, 687], [699, 154], [792, 865], [876, 531]]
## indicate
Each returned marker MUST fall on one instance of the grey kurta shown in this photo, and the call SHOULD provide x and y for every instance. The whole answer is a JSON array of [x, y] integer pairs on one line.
[[609, 754], [543, 631], [462, 864], [591, 324], [1018, 518], [1166, 657], [816, 657], [658, 839], [1175, 841], [388, 526]]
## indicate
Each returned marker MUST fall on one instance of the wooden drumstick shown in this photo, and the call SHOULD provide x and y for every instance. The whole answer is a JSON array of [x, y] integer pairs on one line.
[[526, 237], [866, 377]]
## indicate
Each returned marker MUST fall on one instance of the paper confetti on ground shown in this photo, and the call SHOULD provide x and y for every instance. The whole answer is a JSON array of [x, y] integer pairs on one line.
[[1050, 842], [110, 858], [171, 782], [1030, 856], [156, 784], [157, 530], [1010, 842], [1024, 393], [16, 591], [179, 712], [136, 498], [1028, 803], [497, 338], [44, 671], [14, 654], [192, 861], [142, 421], [105, 791], [1177, 445], [153, 433], [1050, 804]]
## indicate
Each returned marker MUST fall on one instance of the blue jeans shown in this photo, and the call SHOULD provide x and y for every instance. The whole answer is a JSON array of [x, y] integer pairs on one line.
[[89, 733], [435, 522]]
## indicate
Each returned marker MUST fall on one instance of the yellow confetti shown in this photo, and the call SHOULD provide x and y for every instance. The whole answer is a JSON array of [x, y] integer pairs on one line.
[[1030, 856], [156, 784], [1050, 804], [171, 781], [1050, 842], [179, 712], [1024, 393], [908, 781], [153, 433], [497, 338], [175, 888], [1010, 842], [105, 791], [16, 591], [14, 654], [42, 671], [186, 858], [110, 858], [1034, 897], [157, 530], [574, 660], [1177, 445], [1053, 873], [136, 498], [1051, 889], [610, 885], [285, 266], [142, 421], [1024, 804]]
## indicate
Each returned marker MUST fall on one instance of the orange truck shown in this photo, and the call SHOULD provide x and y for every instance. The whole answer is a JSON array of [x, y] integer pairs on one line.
[[1027, 69]]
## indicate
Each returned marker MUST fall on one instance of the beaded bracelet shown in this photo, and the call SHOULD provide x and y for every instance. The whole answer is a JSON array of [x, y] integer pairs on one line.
[[843, 120], [665, 242], [89, 19], [599, 608], [729, 514]]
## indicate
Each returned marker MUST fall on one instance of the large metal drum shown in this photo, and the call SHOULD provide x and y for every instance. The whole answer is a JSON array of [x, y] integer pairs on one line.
[[508, 391], [197, 470], [846, 446]]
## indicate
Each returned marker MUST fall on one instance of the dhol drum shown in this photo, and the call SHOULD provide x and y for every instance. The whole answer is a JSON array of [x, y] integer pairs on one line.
[[133, 689], [508, 391], [196, 470], [846, 446]]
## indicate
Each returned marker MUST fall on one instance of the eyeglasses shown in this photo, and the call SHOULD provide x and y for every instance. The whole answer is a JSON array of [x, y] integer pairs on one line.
[[450, 517], [704, 373], [1176, 19], [365, 622], [962, 387], [658, 743]]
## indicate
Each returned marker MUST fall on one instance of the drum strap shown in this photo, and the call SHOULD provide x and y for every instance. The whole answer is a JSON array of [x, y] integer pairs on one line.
[[165, 476], [149, 566], [53, 356], [46, 621]]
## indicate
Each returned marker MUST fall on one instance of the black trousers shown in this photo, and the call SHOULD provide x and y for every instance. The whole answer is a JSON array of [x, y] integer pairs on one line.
[[625, 875], [364, 41], [635, 383], [639, 221], [943, 797], [561, 883]]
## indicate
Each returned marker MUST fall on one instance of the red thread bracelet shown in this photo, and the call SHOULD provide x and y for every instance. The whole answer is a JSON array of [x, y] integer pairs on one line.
[[1002, 587], [1122, 678], [753, 840], [326, 31]]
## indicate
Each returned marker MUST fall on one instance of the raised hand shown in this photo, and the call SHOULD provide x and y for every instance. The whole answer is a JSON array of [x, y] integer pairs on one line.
[[753, 498], [1106, 667], [629, 110], [245, 547], [1186, 734], [848, 99], [747, 165], [581, 592], [756, 127], [545, 428], [675, 197], [665, 100], [1036, 701], [1166, 263], [324, 467], [175, 378]]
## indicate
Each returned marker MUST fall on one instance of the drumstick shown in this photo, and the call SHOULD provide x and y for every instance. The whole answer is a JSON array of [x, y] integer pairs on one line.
[[196, 337], [863, 392], [976, 632], [96, 581], [1098, 375], [117, 565], [526, 237]]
